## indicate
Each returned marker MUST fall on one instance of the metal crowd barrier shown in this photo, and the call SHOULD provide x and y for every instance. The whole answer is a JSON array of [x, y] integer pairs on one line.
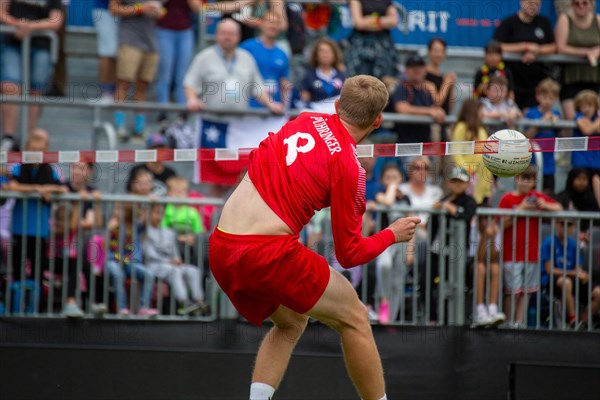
[[442, 298], [415, 295], [546, 307], [25, 67], [41, 286], [439, 287], [431, 290]]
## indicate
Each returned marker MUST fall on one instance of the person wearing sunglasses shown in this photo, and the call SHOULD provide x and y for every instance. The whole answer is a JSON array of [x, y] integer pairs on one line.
[[578, 34]]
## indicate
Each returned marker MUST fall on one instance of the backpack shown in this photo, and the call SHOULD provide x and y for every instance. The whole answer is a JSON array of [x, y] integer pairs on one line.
[[296, 30]]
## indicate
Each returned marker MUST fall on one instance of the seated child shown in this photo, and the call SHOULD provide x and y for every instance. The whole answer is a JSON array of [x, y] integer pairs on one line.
[[125, 259], [183, 219], [162, 258], [566, 257]]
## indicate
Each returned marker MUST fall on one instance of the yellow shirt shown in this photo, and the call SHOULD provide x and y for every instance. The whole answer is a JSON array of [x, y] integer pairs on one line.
[[482, 179]]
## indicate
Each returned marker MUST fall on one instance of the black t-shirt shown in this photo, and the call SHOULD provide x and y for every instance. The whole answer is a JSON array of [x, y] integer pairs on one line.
[[467, 207], [513, 30], [489, 72], [438, 80], [412, 133], [32, 10], [160, 180], [376, 8]]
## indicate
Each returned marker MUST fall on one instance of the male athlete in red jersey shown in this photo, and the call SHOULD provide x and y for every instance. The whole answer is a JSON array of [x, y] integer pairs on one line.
[[255, 255]]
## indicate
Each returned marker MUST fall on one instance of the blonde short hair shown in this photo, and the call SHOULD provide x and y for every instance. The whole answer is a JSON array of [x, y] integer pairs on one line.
[[587, 97], [177, 181], [548, 87], [362, 100]]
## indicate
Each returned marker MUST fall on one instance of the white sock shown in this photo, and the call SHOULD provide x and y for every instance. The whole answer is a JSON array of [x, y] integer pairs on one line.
[[384, 397], [261, 391], [493, 308], [481, 309]]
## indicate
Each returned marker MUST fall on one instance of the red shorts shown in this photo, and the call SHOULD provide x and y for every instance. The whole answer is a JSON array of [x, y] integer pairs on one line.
[[259, 273]]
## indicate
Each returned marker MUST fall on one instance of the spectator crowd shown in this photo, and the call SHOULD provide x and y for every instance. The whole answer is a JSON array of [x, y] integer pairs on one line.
[[273, 56]]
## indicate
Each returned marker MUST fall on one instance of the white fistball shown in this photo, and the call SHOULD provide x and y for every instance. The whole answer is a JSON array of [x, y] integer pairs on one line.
[[507, 153]]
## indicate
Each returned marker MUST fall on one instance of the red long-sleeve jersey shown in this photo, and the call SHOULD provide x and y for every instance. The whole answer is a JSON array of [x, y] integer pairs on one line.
[[311, 163]]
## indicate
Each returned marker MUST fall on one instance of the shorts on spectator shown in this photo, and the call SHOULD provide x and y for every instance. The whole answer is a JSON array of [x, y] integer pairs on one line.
[[134, 64], [568, 92], [40, 66], [582, 298], [516, 280], [107, 29]]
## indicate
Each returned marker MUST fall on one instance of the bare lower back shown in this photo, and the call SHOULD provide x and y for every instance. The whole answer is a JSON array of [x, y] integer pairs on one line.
[[246, 213]]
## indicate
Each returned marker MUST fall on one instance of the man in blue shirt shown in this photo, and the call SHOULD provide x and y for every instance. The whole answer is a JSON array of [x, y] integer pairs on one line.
[[561, 258], [272, 61]]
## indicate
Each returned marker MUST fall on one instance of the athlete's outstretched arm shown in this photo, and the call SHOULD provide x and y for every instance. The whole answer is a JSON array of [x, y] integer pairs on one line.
[[347, 208]]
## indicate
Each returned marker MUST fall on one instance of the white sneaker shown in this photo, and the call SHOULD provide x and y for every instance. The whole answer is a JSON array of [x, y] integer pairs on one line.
[[497, 319], [373, 317], [99, 310], [482, 318], [72, 310]]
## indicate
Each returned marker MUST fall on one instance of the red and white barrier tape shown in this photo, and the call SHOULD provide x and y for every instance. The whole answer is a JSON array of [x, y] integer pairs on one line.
[[590, 143]]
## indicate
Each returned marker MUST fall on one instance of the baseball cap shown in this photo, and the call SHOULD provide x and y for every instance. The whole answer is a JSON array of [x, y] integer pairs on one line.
[[415, 61], [156, 140], [459, 173]]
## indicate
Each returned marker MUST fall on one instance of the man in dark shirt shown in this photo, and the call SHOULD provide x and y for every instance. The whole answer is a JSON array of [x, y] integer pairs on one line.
[[530, 35], [412, 98], [27, 17]]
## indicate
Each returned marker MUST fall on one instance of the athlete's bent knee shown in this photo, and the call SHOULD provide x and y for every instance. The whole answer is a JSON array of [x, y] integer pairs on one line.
[[356, 318]]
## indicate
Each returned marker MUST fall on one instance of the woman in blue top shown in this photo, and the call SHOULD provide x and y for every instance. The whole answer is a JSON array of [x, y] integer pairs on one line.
[[587, 105], [325, 79]]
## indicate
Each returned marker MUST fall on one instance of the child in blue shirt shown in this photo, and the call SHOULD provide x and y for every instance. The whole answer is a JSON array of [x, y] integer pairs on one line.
[[546, 94], [587, 105], [30, 217], [561, 269]]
